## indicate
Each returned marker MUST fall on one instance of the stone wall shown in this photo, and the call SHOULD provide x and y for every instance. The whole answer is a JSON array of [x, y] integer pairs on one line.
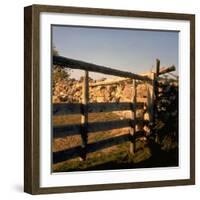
[[70, 91]]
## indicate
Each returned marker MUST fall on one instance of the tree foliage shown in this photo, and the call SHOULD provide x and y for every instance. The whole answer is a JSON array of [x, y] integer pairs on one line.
[[167, 111], [59, 73], [55, 51]]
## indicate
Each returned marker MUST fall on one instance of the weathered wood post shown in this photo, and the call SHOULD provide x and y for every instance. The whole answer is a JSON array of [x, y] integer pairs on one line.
[[84, 116], [157, 67], [133, 114], [156, 94], [152, 99], [150, 102]]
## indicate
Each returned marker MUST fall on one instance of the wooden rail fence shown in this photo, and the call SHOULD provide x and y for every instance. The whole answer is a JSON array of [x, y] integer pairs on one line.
[[85, 108]]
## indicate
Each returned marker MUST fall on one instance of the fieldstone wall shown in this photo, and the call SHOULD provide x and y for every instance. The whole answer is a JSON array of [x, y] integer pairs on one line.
[[70, 91]]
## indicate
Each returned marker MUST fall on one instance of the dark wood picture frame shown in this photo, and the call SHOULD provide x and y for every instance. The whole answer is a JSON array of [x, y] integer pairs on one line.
[[32, 91]]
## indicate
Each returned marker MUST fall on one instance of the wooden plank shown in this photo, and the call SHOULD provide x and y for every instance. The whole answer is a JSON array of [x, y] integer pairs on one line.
[[153, 99], [156, 93], [167, 70], [109, 125], [66, 130], [75, 129], [67, 108], [133, 118], [75, 108], [145, 121], [84, 116], [109, 107], [113, 81], [157, 67], [150, 99], [74, 152], [76, 64], [109, 82], [174, 75], [67, 154], [156, 82]]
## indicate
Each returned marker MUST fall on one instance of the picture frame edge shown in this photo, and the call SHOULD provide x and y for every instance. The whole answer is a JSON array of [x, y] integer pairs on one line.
[[31, 101]]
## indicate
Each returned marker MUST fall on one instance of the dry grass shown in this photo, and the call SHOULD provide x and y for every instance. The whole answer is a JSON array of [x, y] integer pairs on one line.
[[72, 141], [115, 157], [115, 153]]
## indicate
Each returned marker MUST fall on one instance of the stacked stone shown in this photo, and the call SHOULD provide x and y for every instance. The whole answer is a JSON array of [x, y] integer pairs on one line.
[[70, 91]]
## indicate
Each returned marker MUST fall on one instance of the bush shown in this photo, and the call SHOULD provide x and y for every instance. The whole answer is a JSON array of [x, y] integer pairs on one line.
[[166, 123]]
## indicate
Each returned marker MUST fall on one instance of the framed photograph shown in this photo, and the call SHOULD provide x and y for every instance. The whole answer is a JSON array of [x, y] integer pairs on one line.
[[109, 99]]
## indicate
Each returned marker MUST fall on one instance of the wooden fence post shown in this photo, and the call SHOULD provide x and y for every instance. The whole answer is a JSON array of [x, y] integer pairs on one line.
[[150, 102], [84, 116], [157, 67], [133, 125], [152, 98], [156, 94]]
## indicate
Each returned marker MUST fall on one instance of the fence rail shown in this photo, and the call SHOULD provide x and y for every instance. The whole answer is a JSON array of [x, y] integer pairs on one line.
[[77, 108], [75, 129], [76, 64], [85, 108]]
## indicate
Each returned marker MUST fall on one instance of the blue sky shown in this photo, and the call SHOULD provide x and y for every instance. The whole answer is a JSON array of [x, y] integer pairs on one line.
[[125, 49]]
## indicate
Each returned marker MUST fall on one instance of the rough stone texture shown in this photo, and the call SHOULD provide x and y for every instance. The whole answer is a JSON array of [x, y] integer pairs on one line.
[[70, 91]]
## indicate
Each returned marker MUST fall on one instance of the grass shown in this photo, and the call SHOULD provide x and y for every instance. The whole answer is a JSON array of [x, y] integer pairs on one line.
[[111, 158], [120, 158], [115, 157], [92, 117], [72, 141]]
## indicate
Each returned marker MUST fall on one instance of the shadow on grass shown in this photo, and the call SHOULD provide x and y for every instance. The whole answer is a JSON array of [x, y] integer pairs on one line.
[[160, 159], [149, 157]]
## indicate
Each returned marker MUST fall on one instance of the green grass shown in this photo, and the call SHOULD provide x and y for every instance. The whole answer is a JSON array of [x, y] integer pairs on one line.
[[116, 159]]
